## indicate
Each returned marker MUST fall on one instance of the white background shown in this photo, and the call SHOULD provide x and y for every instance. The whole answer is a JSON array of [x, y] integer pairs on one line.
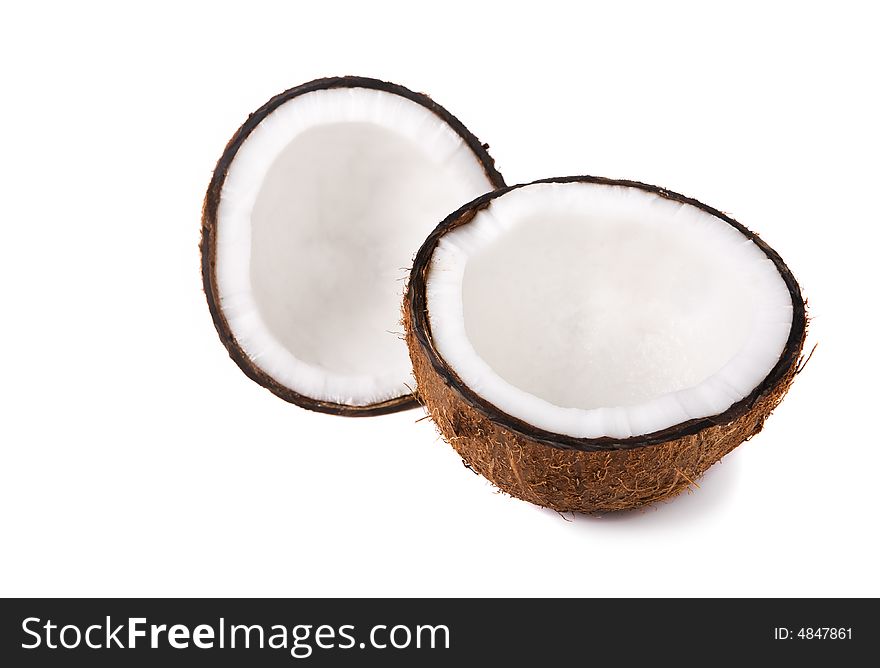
[[138, 460]]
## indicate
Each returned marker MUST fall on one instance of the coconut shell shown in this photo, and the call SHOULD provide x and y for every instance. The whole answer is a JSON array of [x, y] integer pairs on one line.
[[585, 474], [209, 227]]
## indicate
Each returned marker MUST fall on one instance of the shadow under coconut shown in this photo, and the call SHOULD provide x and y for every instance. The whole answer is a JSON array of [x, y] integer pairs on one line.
[[714, 490]]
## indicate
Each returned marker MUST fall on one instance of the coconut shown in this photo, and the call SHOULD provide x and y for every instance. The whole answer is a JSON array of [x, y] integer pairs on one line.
[[590, 344], [309, 225]]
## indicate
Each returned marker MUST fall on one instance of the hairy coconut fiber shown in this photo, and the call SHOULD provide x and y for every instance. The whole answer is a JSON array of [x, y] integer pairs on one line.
[[579, 474]]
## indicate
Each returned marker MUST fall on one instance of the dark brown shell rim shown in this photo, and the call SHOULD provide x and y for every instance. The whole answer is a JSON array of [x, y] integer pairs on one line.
[[421, 328], [209, 224]]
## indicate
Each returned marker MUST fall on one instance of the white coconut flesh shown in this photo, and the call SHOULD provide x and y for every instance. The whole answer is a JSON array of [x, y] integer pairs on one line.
[[605, 311], [322, 209]]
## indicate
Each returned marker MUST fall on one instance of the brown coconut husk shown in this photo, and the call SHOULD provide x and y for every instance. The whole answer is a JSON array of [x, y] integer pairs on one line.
[[581, 474], [209, 226]]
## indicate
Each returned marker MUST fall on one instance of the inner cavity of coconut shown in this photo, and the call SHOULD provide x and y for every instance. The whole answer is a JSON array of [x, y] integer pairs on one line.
[[594, 310], [321, 212]]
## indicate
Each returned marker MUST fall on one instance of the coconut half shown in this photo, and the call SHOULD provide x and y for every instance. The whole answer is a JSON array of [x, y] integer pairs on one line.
[[310, 223], [590, 344]]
